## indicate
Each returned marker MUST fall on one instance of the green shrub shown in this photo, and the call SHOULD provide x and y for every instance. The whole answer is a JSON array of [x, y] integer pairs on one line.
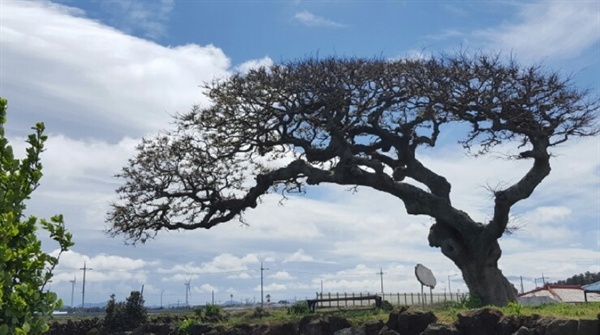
[[515, 308], [186, 325], [199, 312], [387, 306], [213, 311], [25, 302], [126, 315], [471, 301], [260, 313], [300, 307]]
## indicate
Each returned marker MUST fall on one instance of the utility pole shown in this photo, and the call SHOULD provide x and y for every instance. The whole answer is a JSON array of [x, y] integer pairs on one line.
[[321, 288], [72, 289], [261, 285], [522, 290], [543, 280], [380, 273], [449, 286], [85, 269]]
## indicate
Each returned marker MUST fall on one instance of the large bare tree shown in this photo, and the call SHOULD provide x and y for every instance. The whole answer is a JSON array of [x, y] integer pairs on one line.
[[356, 122]]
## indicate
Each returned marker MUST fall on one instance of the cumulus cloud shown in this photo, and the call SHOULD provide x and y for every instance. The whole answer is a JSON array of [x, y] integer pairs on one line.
[[557, 29], [311, 20], [282, 275], [131, 88], [254, 64], [298, 256], [102, 267]]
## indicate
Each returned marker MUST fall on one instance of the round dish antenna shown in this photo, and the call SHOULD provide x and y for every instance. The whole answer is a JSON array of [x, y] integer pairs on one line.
[[425, 276]]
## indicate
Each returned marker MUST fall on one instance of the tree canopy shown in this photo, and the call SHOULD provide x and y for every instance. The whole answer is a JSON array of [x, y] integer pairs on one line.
[[355, 122]]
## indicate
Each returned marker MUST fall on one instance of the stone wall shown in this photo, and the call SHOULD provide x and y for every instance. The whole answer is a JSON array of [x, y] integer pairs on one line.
[[405, 321]]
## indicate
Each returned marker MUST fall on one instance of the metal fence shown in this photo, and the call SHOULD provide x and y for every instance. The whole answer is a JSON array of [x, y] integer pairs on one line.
[[404, 299]]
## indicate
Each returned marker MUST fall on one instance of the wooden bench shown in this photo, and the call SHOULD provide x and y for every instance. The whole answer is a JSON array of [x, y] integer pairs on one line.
[[312, 303]]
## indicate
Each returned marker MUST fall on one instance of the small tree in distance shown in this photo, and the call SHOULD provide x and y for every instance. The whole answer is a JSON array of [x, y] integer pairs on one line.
[[25, 302], [358, 122]]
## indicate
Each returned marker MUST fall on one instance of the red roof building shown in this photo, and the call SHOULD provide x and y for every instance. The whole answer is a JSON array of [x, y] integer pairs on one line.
[[550, 294]]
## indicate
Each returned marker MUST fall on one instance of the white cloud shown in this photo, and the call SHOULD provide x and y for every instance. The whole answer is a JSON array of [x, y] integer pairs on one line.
[[206, 288], [298, 256], [282, 275], [102, 268], [130, 88], [271, 287], [150, 17], [558, 29], [311, 20], [220, 264], [254, 64]]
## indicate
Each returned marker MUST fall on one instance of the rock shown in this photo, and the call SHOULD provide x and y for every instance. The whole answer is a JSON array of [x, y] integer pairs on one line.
[[93, 331], [588, 327], [541, 324], [392, 322], [282, 329], [373, 328], [303, 323], [351, 331], [562, 327], [525, 331], [390, 332], [316, 325], [508, 325], [413, 322], [440, 329], [336, 323], [479, 322]]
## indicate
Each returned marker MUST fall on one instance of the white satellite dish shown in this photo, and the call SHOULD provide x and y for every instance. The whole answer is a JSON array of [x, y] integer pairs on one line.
[[425, 276]]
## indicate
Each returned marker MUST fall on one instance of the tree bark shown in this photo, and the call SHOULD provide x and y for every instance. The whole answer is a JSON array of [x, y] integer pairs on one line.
[[477, 258]]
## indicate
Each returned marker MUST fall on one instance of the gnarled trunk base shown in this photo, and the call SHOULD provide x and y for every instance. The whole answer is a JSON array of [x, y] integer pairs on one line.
[[489, 284], [477, 258]]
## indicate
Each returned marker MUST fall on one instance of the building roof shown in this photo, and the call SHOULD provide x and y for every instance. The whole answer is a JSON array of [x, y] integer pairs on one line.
[[559, 293], [594, 287]]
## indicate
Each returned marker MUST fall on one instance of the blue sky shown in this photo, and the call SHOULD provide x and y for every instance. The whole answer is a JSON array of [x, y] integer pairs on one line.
[[103, 74]]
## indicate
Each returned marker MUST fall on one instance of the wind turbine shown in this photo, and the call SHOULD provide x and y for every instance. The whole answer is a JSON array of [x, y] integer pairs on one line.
[[72, 289], [187, 291]]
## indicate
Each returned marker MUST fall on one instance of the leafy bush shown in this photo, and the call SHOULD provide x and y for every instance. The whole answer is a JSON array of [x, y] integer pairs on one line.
[[199, 312], [300, 307], [515, 308], [213, 311], [471, 301], [387, 306], [25, 303], [186, 325], [125, 315], [259, 313]]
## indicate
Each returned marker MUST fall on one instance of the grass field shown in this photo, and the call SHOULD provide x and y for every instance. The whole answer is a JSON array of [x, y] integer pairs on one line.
[[446, 313]]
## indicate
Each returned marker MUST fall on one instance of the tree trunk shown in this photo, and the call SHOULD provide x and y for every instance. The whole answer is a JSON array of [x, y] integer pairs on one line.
[[486, 281], [477, 258]]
